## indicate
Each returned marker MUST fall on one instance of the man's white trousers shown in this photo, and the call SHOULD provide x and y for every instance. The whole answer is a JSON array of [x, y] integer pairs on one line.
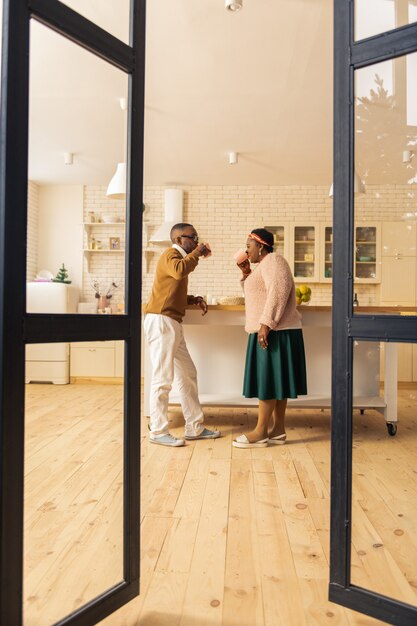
[[169, 356]]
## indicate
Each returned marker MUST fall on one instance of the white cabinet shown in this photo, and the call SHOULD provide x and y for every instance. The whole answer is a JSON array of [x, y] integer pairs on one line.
[[304, 252], [308, 247], [399, 238], [398, 283], [97, 359], [281, 239], [299, 244]]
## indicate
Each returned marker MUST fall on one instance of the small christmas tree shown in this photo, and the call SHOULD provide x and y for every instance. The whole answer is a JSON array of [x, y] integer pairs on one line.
[[62, 276]]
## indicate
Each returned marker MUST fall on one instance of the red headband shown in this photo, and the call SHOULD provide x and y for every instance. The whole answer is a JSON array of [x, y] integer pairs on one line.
[[258, 239]]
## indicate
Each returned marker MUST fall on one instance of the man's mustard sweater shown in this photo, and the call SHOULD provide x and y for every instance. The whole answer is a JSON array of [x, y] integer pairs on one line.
[[169, 291]]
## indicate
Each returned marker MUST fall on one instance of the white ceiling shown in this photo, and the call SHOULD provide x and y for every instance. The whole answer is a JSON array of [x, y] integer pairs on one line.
[[258, 82]]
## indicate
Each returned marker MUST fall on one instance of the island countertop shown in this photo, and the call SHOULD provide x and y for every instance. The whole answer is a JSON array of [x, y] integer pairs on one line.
[[217, 343], [318, 308]]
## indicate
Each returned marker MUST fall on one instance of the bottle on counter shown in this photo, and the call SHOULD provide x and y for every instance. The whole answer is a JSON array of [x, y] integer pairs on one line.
[[355, 300]]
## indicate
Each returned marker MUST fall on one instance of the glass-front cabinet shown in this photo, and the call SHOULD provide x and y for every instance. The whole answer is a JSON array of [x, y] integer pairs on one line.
[[308, 249], [299, 244], [326, 253], [281, 240], [367, 253], [304, 252]]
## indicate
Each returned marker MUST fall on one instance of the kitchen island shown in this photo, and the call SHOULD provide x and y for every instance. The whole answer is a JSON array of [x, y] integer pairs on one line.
[[217, 344]]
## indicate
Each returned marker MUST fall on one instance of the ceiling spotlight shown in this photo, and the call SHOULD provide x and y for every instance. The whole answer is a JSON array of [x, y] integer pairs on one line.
[[407, 156], [68, 158], [233, 5], [232, 158]]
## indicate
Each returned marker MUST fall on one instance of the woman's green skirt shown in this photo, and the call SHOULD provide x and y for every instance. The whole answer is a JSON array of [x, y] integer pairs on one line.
[[279, 371]]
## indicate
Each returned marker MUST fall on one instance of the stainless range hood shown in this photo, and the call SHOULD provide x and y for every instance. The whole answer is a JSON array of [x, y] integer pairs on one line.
[[172, 215]]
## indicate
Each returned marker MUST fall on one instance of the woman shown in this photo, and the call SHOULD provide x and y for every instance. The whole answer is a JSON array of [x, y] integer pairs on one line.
[[275, 361]]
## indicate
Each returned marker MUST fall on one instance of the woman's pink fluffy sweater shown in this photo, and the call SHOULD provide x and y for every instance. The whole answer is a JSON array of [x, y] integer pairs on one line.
[[270, 296]]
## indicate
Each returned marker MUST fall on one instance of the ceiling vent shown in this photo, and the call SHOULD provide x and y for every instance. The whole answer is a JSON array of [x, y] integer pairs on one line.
[[172, 215]]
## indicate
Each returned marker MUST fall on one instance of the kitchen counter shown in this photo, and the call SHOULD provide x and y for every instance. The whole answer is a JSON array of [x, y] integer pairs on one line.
[[309, 307], [217, 343]]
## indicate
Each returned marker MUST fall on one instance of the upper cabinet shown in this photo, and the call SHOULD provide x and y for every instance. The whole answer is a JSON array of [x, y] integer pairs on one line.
[[398, 282], [299, 244], [308, 248], [399, 238], [367, 253], [304, 252], [281, 239], [326, 253]]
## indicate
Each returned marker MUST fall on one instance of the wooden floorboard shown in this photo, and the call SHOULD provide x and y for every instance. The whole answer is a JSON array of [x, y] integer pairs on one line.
[[228, 536]]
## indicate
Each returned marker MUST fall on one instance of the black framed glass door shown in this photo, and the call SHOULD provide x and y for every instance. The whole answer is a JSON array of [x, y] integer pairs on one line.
[[69, 454], [374, 134]]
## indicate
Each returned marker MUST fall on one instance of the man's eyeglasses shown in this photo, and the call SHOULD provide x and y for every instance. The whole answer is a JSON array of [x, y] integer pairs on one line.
[[193, 237]]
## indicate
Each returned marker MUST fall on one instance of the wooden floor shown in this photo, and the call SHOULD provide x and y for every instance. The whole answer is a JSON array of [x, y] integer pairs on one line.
[[229, 536]]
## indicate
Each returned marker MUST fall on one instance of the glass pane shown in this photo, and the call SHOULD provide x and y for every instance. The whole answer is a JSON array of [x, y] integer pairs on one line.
[[385, 244], [304, 246], [384, 470], [1, 38], [73, 494], [373, 17], [77, 131], [112, 15]]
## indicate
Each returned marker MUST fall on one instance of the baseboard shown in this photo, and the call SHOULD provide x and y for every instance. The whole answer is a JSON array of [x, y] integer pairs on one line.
[[96, 380]]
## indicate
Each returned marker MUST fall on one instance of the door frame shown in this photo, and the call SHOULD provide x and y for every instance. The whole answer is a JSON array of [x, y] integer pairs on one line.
[[348, 327], [18, 328]]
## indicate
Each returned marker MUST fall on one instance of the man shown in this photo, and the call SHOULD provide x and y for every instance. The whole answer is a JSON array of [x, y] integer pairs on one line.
[[164, 334]]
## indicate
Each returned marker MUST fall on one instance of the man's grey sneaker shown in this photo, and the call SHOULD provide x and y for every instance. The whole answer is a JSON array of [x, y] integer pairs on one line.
[[205, 434], [166, 440]]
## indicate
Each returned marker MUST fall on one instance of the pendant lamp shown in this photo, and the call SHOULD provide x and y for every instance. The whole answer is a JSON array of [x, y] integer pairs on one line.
[[117, 185], [358, 186]]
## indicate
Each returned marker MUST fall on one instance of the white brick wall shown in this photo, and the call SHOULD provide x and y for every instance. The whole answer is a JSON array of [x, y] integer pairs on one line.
[[32, 231], [223, 216]]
